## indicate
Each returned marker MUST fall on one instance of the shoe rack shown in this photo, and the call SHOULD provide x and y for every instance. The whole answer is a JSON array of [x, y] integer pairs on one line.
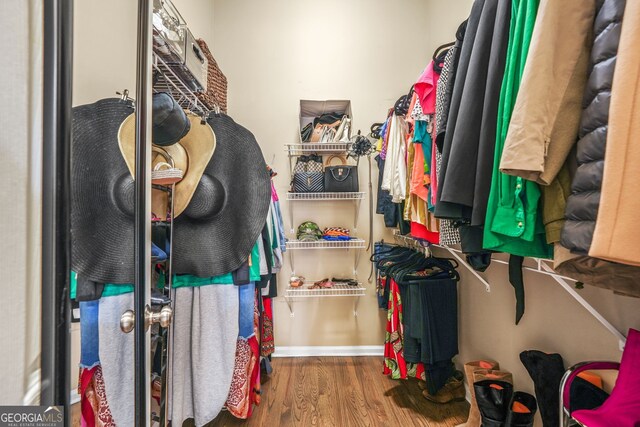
[[356, 245]]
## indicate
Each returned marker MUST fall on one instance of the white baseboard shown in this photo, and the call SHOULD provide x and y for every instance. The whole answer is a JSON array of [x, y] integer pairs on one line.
[[309, 351], [75, 397]]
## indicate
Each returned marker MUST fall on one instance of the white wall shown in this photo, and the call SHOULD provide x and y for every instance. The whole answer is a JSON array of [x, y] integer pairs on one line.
[[20, 174], [275, 53], [105, 44]]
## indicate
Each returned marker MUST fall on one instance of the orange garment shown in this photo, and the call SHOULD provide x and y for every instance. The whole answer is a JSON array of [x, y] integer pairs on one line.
[[419, 180]]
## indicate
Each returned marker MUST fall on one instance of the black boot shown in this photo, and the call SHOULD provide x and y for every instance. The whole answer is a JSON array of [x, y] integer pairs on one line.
[[546, 371], [493, 399], [521, 418]]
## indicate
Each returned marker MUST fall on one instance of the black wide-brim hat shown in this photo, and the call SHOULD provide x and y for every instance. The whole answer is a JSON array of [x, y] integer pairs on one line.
[[102, 194], [217, 231]]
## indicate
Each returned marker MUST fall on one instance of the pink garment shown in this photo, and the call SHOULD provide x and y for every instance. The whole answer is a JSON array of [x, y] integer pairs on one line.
[[622, 408], [425, 87], [274, 193], [433, 170]]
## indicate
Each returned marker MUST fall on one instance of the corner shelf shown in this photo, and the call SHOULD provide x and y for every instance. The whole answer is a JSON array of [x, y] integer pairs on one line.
[[337, 290]]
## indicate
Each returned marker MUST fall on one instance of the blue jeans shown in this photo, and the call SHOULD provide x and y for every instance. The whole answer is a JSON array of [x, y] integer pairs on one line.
[[247, 296], [89, 335]]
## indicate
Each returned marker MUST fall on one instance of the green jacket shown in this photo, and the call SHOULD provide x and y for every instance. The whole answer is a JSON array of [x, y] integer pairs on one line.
[[514, 221]]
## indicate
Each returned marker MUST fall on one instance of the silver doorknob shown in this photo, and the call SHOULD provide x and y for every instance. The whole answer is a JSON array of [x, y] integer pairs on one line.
[[127, 321], [162, 317]]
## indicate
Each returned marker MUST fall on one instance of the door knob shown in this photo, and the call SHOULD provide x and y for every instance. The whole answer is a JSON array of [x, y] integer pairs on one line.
[[162, 317]]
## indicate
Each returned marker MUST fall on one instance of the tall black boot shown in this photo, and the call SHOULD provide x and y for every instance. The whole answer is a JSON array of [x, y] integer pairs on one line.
[[546, 371], [493, 398], [521, 415]]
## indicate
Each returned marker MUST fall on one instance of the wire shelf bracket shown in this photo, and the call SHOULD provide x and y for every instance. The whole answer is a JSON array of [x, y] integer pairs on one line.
[[542, 267]]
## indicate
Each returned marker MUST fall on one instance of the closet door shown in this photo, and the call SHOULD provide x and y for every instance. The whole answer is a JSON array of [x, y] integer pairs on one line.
[[141, 318]]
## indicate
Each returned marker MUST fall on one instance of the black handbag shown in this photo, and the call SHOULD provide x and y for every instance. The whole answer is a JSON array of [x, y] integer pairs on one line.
[[340, 179], [308, 176]]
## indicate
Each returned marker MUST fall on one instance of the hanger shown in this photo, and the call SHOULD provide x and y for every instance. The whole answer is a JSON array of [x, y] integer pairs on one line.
[[440, 49]]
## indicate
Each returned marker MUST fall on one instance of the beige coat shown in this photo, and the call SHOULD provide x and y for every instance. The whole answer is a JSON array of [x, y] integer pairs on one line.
[[617, 232], [546, 116]]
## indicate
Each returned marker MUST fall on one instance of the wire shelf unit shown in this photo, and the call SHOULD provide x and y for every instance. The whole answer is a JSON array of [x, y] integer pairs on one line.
[[337, 290], [170, 82], [326, 196], [320, 148], [327, 244]]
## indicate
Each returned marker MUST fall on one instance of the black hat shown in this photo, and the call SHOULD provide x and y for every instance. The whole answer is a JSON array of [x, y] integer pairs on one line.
[[170, 122], [102, 194], [217, 231]]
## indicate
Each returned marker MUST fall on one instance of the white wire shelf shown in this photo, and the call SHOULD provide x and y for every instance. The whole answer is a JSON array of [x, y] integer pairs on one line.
[[327, 244], [326, 196], [170, 82], [320, 147], [337, 290]]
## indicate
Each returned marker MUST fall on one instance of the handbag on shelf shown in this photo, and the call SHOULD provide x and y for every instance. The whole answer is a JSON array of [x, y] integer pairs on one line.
[[305, 133], [342, 178], [308, 176], [325, 132], [344, 130]]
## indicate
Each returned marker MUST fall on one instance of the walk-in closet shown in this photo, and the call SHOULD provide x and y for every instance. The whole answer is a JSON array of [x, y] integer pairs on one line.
[[341, 213]]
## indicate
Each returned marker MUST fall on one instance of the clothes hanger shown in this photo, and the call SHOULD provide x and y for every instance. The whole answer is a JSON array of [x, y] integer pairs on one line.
[[442, 48], [386, 263]]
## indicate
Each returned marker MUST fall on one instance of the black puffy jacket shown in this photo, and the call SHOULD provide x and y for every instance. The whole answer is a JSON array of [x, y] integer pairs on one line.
[[584, 201]]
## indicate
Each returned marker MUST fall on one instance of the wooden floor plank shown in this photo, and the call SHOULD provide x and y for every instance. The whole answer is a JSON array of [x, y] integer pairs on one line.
[[343, 392]]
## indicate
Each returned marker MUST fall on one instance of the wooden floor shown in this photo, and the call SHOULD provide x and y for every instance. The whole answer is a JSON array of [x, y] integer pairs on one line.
[[339, 392], [343, 392]]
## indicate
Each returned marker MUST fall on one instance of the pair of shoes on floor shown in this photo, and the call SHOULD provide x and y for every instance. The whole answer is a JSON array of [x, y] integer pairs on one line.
[[493, 400], [452, 391]]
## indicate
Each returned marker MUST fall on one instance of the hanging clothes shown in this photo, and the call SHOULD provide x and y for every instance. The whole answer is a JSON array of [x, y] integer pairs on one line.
[[469, 143], [616, 231], [571, 257], [546, 115], [514, 222], [421, 334], [448, 232], [394, 179]]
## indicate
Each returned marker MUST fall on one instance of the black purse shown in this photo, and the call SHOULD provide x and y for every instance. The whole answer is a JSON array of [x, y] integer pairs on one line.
[[307, 175], [340, 179]]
